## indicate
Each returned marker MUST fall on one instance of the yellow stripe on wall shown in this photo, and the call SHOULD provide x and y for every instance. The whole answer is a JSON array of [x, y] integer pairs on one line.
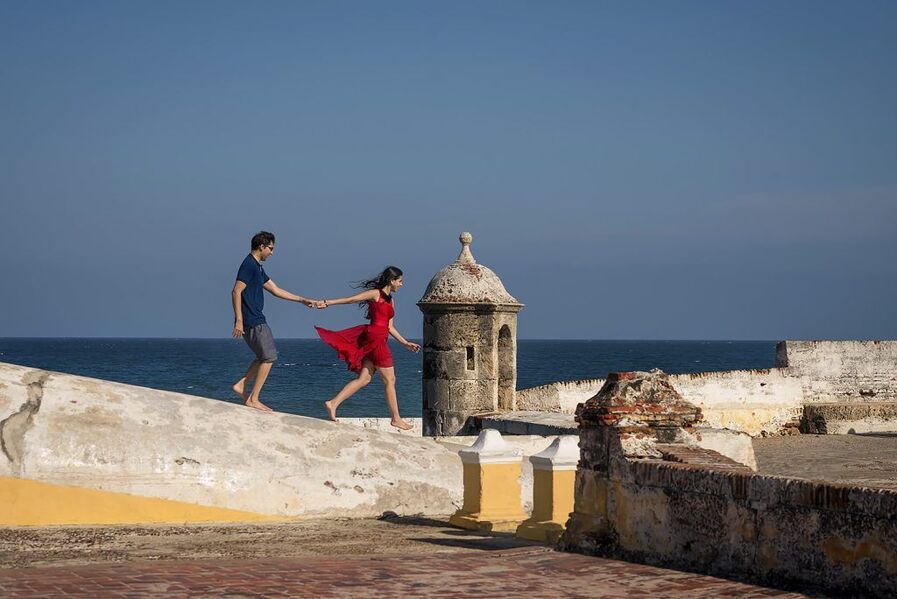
[[32, 503]]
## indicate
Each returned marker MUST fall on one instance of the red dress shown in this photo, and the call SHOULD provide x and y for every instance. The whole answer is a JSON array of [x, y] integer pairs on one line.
[[354, 344]]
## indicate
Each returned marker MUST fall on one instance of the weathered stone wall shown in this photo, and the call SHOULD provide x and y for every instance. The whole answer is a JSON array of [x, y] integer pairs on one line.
[[83, 432], [842, 371], [765, 401], [737, 524], [750, 401], [644, 492], [465, 371], [458, 381], [562, 396]]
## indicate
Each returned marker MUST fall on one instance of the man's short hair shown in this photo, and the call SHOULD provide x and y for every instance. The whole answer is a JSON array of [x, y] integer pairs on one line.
[[262, 238]]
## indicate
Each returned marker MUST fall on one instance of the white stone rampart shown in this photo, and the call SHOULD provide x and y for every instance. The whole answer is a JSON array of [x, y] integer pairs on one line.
[[750, 401], [383, 425], [842, 371], [764, 401], [84, 432]]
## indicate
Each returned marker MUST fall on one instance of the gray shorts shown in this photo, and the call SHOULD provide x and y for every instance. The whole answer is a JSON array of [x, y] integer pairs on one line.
[[260, 340]]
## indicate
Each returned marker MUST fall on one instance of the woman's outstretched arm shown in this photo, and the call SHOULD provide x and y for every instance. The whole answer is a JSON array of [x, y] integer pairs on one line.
[[410, 345], [368, 294]]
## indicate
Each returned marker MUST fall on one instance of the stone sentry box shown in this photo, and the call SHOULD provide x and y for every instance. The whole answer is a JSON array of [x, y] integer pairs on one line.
[[470, 345]]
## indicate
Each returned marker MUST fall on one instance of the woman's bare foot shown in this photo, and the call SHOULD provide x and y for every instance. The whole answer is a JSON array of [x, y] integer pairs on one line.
[[254, 403], [330, 410], [401, 425]]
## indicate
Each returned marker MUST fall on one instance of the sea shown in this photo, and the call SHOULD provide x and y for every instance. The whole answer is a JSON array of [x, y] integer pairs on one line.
[[307, 372]]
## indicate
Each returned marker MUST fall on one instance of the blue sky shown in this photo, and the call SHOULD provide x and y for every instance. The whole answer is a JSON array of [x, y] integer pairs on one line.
[[632, 170]]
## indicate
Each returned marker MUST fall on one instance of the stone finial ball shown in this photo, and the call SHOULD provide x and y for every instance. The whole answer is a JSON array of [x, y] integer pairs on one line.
[[465, 238]]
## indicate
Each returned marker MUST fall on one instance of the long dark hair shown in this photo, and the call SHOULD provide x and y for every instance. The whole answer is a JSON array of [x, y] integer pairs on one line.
[[389, 274]]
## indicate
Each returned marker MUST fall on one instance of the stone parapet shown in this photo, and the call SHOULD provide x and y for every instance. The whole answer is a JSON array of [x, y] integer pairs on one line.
[[528, 423], [636, 400], [842, 371], [849, 418], [756, 402], [75, 431], [767, 401], [491, 485], [647, 493], [554, 473]]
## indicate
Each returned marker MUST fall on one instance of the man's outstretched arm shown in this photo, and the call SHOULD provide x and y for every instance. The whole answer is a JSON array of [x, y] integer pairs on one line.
[[272, 288]]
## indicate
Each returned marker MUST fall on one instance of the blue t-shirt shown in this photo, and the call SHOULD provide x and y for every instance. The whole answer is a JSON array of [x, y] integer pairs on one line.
[[253, 297]]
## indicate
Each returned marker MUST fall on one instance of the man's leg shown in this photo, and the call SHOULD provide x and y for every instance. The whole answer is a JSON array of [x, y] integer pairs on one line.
[[240, 386], [261, 340], [262, 371]]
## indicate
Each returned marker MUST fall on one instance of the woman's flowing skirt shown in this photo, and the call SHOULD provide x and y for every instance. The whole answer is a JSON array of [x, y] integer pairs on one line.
[[354, 344]]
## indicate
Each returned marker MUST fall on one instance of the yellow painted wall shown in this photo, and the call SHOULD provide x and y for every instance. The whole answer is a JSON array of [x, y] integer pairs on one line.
[[490, 489], [491, 498], [33, 503], [553, 494], [751, 420], [552, 504]]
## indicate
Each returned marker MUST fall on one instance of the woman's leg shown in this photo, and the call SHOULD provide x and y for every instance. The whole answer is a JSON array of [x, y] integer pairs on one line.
[[389, 386], [364, 377]]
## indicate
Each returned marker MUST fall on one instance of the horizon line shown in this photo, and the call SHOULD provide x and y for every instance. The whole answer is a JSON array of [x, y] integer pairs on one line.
[[159, 338]]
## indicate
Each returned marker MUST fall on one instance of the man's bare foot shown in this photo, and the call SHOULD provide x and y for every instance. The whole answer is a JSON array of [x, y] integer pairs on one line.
[[240, 389], [254, 403], [330, 410], [401, 425]]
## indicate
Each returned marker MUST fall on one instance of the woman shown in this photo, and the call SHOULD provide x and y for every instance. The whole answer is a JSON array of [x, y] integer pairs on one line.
[[364, 347]]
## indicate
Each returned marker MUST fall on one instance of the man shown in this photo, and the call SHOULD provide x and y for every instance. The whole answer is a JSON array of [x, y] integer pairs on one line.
[[249, 322]]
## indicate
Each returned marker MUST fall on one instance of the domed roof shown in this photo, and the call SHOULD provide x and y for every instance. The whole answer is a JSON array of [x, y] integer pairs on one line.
[[466, 282]]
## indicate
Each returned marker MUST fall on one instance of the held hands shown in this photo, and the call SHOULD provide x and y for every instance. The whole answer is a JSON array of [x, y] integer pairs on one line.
[[321, 304], [412, 347]]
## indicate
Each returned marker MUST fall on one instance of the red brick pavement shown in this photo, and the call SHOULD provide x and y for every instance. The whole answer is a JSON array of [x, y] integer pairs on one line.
[[526, 572]]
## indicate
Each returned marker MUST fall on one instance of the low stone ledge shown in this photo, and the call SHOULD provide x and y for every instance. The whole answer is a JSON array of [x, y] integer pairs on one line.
[[775, 529], [699, 456], [645, 493], [527, 423], [847, 418], [766, 490]]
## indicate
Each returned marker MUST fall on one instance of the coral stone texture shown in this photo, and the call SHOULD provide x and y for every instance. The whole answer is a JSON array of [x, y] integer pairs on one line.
[[466, 282], [469, 345], [82, 432], [636, 400], [645, 492]]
